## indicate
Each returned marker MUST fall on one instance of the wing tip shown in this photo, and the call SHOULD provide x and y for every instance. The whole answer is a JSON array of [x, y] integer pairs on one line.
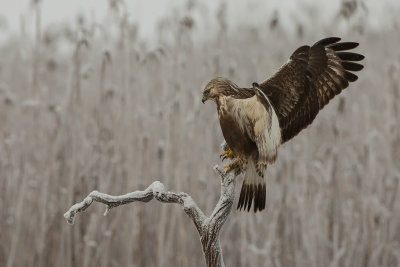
[[343, 46], [352, 66], [351, 77], [350, 56], [328, 41]]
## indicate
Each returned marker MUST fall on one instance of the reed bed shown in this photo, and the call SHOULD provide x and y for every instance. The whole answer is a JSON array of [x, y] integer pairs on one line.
[[87, 108]]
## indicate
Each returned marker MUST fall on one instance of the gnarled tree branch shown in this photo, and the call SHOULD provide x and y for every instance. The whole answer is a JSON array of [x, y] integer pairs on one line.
[[208, 227]]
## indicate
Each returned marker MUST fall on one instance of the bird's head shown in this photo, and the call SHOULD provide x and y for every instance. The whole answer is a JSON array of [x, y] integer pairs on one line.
[[218, 87], [211, 91]]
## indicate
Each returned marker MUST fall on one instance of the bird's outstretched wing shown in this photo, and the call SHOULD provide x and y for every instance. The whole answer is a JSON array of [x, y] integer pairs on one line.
[[306, 83]]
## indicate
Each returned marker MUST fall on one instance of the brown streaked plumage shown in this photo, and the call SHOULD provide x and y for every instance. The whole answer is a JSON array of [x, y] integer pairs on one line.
[[255, 121]]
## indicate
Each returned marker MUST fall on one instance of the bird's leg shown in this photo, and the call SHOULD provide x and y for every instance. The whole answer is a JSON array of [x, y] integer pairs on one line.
[[234, 166], [227, 154]]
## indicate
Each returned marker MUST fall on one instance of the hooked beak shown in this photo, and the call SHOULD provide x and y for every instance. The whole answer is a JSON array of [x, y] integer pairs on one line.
[[204, 99]]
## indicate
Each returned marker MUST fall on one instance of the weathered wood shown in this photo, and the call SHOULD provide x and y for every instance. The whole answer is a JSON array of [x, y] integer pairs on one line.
[[209, 228]]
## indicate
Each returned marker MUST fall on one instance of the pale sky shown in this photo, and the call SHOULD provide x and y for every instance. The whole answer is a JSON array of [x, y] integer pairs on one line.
[[381, 13]]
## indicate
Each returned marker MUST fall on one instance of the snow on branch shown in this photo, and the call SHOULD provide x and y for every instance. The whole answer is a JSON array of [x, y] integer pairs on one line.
[[208, 227]]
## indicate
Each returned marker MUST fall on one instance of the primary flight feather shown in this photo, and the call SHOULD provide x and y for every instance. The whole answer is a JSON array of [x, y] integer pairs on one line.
[[255, 121]]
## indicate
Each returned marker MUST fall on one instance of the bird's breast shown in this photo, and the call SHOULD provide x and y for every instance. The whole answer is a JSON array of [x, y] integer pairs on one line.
[[235, 136]]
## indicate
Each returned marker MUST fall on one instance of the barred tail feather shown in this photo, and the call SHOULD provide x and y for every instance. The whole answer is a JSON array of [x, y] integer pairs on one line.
[[253, 188]]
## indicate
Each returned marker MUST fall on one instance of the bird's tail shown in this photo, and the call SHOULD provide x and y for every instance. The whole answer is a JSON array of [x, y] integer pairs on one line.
[[254, 187]]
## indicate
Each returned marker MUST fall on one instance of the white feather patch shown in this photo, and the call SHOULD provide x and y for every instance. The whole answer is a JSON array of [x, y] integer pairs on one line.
[[273, 136], [251, 176]]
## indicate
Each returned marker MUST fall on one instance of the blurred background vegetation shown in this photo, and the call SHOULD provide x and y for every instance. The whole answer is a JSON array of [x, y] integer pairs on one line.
[[91, 105]]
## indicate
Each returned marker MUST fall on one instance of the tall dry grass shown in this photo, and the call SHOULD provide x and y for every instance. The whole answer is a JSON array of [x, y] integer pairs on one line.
[[110, 113]]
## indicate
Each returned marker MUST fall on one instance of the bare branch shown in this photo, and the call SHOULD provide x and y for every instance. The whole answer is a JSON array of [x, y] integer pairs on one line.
[[208, 227], [223, 208], [155, 190]]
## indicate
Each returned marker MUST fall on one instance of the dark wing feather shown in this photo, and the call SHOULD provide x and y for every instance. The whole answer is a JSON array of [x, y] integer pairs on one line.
[[311, 78]]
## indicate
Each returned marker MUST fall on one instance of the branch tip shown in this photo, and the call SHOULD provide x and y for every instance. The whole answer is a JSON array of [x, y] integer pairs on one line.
[[221, 172], [69, 217]]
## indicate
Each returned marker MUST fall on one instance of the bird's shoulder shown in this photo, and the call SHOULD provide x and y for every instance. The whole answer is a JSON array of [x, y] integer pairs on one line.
[[247, 109]]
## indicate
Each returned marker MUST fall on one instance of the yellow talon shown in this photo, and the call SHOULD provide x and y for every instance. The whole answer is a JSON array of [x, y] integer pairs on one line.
[[227, 154], [224, 153], [230, 168]]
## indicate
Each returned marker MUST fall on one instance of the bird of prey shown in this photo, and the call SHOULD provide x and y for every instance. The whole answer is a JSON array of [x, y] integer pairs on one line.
[[255, 121]]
